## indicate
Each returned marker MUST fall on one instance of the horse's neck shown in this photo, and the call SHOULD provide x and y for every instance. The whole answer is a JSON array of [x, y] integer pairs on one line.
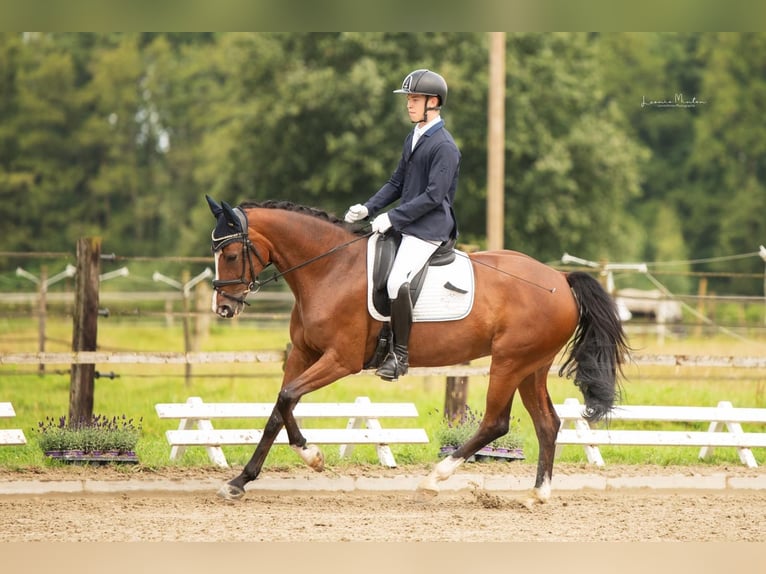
[[297, 239]]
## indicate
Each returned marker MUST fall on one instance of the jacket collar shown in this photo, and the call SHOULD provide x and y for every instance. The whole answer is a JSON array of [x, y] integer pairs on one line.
[[436, 126]]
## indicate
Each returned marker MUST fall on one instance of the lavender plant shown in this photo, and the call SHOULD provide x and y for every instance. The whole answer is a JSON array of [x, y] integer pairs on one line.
[[453, 433], [99, 433]]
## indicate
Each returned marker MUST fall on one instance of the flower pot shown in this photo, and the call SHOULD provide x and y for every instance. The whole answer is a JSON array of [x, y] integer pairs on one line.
[[492, 453], [445, 451]]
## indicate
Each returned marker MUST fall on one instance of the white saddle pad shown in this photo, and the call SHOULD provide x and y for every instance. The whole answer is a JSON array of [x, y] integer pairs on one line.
[[436, 302]]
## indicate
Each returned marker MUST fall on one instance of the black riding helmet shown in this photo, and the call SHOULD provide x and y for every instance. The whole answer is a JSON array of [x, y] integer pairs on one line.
[[425, 82]]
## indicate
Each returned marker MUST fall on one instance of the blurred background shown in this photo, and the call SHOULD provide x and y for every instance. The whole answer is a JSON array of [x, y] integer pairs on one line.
[[616, 147]]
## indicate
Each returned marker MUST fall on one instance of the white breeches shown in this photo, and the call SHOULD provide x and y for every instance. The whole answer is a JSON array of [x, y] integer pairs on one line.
[[412, 256]]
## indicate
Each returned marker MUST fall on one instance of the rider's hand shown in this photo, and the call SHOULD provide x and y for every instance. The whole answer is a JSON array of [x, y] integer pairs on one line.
[[355, 213], [381, 223]]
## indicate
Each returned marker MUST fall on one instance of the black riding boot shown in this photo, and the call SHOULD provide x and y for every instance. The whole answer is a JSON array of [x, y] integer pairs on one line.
[[396, 362]]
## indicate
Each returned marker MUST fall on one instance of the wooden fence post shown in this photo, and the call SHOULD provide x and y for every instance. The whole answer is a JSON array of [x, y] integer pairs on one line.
[[85, 328], [456, 388], [202, 295], [42, 310], [701, 294], [455, 398], [185, 276]]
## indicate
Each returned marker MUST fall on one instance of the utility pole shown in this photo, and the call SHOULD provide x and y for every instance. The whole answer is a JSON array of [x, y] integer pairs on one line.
[[456, 391], [496, 142]]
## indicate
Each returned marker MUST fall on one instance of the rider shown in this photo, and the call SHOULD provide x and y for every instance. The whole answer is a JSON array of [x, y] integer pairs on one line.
[[425, 182]]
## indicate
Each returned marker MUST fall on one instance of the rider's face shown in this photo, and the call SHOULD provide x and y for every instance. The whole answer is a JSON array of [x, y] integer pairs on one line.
[[416, 104]]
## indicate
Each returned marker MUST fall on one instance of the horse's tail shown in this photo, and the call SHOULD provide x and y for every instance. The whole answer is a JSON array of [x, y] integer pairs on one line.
[[598, 348]]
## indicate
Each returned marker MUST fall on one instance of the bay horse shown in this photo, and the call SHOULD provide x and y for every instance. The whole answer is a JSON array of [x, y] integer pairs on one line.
[[524, 313]]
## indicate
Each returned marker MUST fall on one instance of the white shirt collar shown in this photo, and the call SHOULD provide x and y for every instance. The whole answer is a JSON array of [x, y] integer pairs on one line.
[[418, 131]]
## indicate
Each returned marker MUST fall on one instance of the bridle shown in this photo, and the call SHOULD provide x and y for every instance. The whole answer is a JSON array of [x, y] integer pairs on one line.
[[248, 250]]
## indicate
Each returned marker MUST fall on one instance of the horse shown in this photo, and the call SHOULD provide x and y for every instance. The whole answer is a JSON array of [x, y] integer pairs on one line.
[[524, 314]]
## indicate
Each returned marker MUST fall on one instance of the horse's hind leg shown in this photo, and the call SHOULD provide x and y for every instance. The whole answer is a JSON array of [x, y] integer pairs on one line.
[[534, 394], [494, 424]]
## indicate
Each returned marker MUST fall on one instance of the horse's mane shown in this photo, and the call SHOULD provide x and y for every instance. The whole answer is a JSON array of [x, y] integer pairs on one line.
[[297, 208]]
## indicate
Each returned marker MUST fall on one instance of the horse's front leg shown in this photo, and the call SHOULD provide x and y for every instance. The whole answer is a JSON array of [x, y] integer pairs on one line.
[[323, 372], [235, 488]]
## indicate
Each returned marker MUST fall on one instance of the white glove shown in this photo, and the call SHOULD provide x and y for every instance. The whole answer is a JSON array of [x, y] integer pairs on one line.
[[381, 223], [355, 213]]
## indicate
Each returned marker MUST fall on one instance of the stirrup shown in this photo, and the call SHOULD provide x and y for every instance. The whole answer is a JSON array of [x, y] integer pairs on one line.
[[392, 368]]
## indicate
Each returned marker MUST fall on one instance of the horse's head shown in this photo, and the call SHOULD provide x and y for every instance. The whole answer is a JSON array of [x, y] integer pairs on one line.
[[235, 271]]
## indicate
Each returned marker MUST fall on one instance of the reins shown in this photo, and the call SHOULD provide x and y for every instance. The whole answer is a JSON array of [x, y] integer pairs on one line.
[[255, 284], [258, 284], [522, 279]]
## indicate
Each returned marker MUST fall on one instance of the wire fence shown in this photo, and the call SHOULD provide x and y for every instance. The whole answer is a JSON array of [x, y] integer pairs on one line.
[[166, 294]]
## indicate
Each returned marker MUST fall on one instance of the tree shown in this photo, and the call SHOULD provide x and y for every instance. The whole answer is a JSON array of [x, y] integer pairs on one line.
[[42, 167], [727, 168], [121, 135], [572, 167], [640, 67]]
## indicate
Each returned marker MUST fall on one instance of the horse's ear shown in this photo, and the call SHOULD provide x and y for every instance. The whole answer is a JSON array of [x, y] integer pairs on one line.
[[231, 217], [214, 207]]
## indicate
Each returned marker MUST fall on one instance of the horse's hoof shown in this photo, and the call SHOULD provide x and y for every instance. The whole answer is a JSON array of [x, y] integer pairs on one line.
[[231, 492], [427, 489], [534, 500], [317, 463], [312, 456], [425, 494]]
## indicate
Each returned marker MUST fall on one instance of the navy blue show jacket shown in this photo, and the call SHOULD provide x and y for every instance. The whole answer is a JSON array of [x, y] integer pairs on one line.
[[425, 182]]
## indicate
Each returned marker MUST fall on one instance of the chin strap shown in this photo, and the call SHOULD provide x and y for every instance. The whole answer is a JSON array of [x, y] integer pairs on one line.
[[426, 109]]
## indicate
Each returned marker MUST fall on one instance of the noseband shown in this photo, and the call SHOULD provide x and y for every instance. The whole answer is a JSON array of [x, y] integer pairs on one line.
[[248, 250]]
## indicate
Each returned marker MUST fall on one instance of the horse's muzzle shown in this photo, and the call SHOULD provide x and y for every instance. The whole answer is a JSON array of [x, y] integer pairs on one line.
[[228, 311], [229, 305]]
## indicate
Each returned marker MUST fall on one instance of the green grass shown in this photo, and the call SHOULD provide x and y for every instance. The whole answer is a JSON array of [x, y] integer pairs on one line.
[[139, 387]]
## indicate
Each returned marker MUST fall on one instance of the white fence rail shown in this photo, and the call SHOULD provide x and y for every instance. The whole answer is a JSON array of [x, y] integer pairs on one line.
[[719, 418], [221, 357], [10, 436], [724, 430], [362, 426]]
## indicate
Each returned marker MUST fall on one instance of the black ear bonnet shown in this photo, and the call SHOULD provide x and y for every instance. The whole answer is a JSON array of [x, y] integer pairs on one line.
[[231, 224]]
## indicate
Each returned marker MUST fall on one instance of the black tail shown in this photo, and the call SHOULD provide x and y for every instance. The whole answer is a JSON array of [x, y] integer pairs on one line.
[[598, 349]]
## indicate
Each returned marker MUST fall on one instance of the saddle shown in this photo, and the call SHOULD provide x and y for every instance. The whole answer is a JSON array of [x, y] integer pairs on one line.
[[385, 253], [437, 287]]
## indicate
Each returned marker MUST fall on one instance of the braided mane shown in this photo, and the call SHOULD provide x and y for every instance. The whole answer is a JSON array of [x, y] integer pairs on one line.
[[297, 208]]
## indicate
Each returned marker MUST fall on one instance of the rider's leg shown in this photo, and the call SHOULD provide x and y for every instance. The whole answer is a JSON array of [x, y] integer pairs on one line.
[[413, 254], [396, 362]]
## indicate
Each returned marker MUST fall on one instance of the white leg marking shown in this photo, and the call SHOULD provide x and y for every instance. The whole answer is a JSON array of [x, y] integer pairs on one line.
[[543, 493], [442, 471], [539, 495], [311, 455]]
